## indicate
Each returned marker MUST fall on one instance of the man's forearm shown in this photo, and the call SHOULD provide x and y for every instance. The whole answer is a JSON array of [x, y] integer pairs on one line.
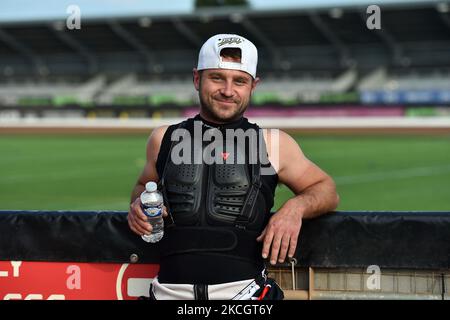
[[316, 200], [138, 189]]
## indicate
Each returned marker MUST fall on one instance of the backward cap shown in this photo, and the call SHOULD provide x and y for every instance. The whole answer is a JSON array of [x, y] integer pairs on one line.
[[209, 56]]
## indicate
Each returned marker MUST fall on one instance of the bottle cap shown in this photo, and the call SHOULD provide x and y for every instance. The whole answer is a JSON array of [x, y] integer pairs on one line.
[[151, 186]]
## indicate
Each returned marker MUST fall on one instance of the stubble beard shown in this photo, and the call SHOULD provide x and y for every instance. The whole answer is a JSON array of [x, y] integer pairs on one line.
[[211, 109], [218, 117], [208, 109]]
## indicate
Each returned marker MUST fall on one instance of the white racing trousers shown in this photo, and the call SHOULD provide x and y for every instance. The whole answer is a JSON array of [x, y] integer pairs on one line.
[[236, 290]]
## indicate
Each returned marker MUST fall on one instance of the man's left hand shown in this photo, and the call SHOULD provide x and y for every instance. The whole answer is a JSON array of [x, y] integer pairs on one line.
[[281, 233]]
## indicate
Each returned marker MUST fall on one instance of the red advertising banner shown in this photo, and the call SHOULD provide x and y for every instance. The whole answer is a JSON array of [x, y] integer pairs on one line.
[[27, 280]]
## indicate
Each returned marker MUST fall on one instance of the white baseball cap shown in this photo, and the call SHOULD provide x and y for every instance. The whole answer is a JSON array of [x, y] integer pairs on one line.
[[209, 56]]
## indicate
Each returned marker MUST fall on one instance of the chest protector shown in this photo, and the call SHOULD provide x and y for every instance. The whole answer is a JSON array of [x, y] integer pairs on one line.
[[214, 187], [211, 204]]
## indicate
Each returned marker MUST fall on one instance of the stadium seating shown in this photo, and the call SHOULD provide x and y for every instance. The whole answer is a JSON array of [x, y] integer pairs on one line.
[[324, 56]]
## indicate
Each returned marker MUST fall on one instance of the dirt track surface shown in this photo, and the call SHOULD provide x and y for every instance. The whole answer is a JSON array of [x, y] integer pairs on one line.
[[312, 131]]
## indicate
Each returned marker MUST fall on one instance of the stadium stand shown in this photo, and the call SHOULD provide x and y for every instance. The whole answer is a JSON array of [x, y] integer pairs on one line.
[[323, 56]]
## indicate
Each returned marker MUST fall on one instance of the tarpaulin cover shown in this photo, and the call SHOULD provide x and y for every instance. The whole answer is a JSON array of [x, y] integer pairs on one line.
[[410, 240]]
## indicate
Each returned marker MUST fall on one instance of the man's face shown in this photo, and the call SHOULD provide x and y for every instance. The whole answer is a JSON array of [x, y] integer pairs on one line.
[[224, 94]]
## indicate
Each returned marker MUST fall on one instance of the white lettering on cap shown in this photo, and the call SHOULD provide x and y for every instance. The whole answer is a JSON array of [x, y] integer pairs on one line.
[[231, 40]]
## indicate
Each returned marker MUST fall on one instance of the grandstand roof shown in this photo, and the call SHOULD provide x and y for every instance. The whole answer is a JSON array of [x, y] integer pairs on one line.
[[299, 40], [47, 10]]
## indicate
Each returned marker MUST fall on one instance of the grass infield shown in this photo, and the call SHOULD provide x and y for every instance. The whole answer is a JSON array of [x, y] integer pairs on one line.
[[97, 172]]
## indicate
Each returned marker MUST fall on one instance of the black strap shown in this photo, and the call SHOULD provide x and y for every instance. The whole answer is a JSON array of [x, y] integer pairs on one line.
[[183, 240], [201, 292], [243, 219], [166, 202], [162, 180]]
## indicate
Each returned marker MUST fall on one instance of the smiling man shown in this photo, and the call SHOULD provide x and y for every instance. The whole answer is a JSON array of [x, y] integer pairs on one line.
[[219, 226], [225, 90]]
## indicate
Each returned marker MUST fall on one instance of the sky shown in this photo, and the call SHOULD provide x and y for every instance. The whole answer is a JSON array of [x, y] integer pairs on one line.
[[32, 10]]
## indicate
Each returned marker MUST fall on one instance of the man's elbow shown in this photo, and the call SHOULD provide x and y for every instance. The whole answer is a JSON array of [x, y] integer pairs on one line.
[[335, 199]]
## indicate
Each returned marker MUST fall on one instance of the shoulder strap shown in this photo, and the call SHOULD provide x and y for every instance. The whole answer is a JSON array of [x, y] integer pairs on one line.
[[163, 177], [243, 219]]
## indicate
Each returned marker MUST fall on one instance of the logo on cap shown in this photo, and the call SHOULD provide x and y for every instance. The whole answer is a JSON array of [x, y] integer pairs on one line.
[[231, 40]]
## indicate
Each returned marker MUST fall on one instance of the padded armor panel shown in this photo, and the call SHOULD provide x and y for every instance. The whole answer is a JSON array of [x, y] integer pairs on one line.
[[227, 190], [183, 184]]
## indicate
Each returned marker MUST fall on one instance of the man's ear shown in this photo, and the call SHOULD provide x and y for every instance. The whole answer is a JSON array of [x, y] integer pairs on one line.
[[254, 83], [196, 78]]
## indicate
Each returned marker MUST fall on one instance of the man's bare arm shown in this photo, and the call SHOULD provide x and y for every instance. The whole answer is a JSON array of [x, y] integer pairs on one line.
[[136, 218], [315, 192], [315, 195], [149, 172]]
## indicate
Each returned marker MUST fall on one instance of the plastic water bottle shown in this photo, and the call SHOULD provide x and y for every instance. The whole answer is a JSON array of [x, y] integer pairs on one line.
[[152, 205]]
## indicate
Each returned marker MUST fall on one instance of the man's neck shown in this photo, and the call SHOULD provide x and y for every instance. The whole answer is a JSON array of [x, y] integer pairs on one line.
[[205, 116], [218, 124]]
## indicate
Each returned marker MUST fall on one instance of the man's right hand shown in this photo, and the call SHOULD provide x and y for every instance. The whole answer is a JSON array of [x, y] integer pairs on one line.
[[137, 220]]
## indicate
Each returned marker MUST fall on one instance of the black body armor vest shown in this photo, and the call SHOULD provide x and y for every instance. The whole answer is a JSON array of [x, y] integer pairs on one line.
[[218, 203]]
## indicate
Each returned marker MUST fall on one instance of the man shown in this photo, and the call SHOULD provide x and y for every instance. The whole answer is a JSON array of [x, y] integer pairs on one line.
[[219, 225]]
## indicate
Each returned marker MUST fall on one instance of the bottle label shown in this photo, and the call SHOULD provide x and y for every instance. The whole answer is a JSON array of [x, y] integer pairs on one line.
[[152, 211]]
